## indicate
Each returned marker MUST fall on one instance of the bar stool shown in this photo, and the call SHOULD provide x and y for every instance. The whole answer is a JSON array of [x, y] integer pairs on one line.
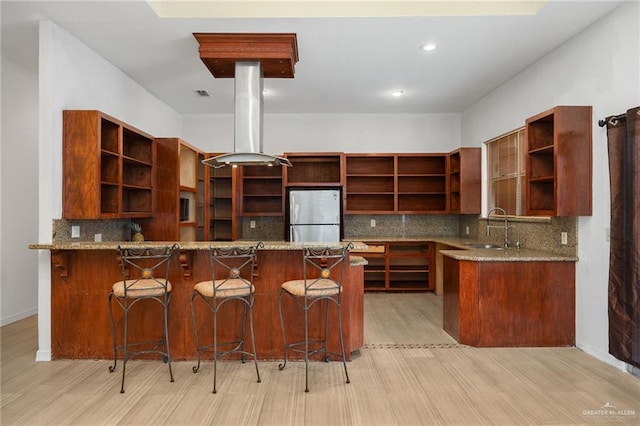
[[145, 276], [323, 269], [232, 270]]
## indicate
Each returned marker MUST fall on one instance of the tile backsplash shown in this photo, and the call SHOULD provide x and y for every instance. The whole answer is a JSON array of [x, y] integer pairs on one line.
[[400, 226], [109, 230], [537, 234]]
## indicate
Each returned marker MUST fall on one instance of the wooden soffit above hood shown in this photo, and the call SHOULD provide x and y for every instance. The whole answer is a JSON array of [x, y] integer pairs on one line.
[[278, 53]]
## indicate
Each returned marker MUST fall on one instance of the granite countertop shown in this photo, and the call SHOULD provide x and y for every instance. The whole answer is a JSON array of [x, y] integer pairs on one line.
[[462, 251], [199, 245], [186, 245]]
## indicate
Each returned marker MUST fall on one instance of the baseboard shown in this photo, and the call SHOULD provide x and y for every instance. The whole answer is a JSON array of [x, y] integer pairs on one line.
[[43, 355], [17, 317], [607, 358]]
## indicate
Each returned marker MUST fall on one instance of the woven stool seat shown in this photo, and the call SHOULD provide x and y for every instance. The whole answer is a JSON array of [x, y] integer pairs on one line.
[[225, 288], [232, 271], [141, 288]]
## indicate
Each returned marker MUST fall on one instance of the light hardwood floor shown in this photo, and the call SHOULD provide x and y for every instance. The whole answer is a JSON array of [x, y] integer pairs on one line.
[[409, 373]]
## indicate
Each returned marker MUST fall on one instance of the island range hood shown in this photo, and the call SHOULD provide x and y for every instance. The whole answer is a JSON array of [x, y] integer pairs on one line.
[[248, 58]]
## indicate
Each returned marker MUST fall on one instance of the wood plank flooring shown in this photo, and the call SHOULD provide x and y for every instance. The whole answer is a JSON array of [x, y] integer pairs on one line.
[[409, 373]]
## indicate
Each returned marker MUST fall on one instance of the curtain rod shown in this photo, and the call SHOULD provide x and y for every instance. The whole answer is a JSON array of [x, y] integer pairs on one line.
[[613, 119]]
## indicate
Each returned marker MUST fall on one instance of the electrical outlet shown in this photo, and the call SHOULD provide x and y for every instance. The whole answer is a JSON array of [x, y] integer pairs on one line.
[[97, 238], [563, 238], [252, 224], [373, 223], [75, 231], [466, 230]]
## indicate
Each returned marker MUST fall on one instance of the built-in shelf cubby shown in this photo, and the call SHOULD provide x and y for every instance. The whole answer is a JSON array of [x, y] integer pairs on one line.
[[262, 191]]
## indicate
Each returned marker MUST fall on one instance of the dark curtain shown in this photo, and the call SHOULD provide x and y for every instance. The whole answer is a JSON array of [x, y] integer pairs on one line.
[[623, 134]]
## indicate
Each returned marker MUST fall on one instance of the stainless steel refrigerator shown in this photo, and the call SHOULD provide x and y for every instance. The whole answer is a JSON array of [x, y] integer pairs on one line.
[[314, 215]]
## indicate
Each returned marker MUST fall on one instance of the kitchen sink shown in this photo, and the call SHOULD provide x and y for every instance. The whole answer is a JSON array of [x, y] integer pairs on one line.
[[483, 246]]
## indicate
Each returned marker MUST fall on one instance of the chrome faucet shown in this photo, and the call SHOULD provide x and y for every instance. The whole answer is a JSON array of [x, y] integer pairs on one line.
[[505, 227]]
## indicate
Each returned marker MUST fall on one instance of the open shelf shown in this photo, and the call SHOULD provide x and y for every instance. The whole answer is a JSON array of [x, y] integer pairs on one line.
[[108, 168], [394, 266], [559, 161], [464, 178], [313, 169], [262, 193]]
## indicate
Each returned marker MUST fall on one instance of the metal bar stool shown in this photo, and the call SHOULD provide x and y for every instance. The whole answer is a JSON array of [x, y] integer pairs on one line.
[[145, 276], [321, 284], [232, 270]]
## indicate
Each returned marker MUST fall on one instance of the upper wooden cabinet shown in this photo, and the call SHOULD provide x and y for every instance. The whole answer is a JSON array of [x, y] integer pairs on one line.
[[422, 183], [107, 168], [465, 181], [313, 169], [221, 212], [261, 191], [369, 183], [559, 162], [179, 192], [395, 183]]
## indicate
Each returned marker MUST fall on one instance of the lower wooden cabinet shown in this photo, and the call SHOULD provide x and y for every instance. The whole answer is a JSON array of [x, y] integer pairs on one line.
[[399, 266], [509, 304]]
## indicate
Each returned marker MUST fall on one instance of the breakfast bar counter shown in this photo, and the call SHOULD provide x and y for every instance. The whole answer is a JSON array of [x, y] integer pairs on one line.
[[82, 274]]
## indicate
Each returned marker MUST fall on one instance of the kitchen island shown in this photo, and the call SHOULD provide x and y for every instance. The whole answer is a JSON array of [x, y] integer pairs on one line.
[[492, 296], [82, 274], [509, 298]]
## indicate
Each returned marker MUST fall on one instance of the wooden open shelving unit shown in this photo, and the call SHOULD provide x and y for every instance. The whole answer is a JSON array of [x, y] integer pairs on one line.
[[107, 167], [399, 266], [370, 183], [262, 191], [465, 181], [222, 204], [180, 193], [313, 169], [559, 162], [395, 183], [422, 183]]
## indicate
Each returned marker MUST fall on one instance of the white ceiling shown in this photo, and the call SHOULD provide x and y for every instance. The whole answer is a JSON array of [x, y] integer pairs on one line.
[[347, 65]]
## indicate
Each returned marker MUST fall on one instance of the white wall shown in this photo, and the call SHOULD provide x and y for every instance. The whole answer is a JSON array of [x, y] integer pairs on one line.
[[599, 67], [19, 189], [72, 76], [332, 132]]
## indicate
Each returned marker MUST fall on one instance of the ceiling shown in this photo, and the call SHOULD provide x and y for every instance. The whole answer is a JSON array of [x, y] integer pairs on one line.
[[348, 64]]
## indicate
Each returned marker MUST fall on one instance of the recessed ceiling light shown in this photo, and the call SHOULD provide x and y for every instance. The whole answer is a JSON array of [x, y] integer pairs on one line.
[[397, 93], [427, 47]]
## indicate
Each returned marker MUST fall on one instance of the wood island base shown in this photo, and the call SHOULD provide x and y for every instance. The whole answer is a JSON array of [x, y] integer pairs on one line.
[[81, 281]]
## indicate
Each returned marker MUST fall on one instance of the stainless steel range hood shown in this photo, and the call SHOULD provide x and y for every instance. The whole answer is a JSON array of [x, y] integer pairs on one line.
[[248, 58], [247, 150]]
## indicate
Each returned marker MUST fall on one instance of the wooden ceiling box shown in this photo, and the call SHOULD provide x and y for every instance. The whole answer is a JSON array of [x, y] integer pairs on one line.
[[278, 53]]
